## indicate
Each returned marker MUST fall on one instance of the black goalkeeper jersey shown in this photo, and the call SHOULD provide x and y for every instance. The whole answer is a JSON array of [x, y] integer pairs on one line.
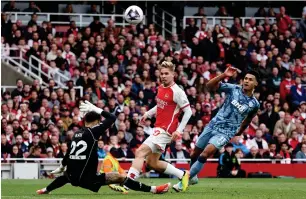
[[82, 157]]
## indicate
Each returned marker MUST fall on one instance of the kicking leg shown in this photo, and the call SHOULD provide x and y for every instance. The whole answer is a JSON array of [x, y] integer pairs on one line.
[[162, 166], [167, 168], [57, 183], [137, 164], [111, 178]]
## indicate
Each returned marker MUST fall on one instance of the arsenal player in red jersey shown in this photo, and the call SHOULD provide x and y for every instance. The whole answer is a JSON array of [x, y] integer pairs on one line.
[[171, 101]]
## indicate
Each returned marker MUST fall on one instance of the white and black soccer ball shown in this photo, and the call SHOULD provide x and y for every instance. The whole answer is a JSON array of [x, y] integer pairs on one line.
[[133, 15]]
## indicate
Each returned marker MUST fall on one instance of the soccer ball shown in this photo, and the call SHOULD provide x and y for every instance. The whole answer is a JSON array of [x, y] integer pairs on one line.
[[133, 15]]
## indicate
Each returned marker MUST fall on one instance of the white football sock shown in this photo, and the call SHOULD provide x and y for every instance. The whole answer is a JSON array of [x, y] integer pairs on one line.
[[171, 170], [153, 189], [133, 173]]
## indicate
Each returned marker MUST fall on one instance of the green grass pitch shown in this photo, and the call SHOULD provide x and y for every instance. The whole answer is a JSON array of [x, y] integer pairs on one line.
[[207, 188]]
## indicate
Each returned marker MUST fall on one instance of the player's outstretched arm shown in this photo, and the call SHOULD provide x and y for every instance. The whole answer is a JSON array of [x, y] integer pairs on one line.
[[213, 84], [109, 118]]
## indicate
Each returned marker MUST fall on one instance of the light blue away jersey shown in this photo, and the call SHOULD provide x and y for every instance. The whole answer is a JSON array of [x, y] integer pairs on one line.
[[234, 110]]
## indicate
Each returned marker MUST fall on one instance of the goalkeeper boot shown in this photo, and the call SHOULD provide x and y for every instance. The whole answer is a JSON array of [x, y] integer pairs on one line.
[[162, 188], [42, 191], [118, 188]]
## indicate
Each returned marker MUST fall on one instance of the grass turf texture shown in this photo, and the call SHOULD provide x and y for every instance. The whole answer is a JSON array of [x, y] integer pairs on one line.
[[207, 188]]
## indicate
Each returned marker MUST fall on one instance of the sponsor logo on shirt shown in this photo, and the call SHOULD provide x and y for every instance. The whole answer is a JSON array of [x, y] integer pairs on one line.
[[161, 103], [240, 107]]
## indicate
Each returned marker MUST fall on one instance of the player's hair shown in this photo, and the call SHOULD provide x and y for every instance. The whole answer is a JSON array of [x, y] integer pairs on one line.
[[92, 116], [168, 64], [255, 73]]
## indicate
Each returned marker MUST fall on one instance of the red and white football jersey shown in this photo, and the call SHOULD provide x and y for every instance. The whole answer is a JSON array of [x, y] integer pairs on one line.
[[170, 102]]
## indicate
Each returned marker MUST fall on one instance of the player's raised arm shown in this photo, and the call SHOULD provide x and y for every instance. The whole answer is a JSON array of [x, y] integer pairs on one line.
[[213, 84], [98, 129]]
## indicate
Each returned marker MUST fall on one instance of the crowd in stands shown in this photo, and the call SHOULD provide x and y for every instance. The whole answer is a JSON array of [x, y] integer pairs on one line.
[[118, 69]]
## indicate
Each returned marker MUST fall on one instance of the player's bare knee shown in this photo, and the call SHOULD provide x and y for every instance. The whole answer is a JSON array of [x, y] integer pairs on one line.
[[194, 155], [141, 152], [205, 154], [152, 164]]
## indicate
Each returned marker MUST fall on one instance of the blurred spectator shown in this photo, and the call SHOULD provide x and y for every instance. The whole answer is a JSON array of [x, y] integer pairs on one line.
[[93, 9], [96, 26], [271, 12], [293, 141], [190, 30], [32, 7], [261, 12], [297, 92], [10, 7], [179, 153], [33, 20], [283, 21], [302, 24], [200, 13], [254, 153], [16, 153], [6, 147], [299, 146], [229, 166], [222, 12], [258, 142], [35, 153], [138, 139], [301, 154], [286, 124], [239, 145], [272, 153], [284, 152], [269, 117], [124, 151], [101, 151], [63, 150]]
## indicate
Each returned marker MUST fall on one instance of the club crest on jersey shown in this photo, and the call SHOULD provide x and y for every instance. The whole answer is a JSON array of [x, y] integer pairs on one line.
[[166, 96], [240, 107]]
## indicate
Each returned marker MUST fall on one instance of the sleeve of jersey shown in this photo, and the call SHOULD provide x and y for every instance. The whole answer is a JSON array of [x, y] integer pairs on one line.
[[183, 103], [181, 99], [102, 127], [226, 87]]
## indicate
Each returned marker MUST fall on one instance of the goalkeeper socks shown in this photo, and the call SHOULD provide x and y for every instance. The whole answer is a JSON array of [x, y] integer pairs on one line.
[[197, 166], [133, 173], [171, 170], [57, 183], [137, 186]]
